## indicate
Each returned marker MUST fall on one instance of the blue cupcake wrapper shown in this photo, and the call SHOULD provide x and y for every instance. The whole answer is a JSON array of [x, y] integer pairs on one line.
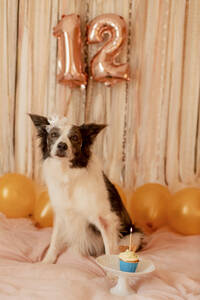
[[128, 266]]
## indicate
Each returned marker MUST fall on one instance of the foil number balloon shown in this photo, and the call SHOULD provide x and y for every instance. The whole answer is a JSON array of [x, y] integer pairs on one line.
[[104, 68], [69, 51]]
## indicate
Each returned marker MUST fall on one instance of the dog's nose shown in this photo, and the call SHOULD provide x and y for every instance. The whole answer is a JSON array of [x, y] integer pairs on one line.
[[62, 146]]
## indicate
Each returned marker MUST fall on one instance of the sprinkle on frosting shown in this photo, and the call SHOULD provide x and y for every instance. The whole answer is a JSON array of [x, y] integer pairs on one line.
[[129, 256]]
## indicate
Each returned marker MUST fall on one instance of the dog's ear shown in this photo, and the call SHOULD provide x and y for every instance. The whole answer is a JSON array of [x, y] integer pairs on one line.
[[39, 121], [90, 131]]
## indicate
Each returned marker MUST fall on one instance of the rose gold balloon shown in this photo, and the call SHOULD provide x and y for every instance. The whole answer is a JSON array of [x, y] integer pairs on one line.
[[148, 206], [69, 51], [184, 211], [104, 67]]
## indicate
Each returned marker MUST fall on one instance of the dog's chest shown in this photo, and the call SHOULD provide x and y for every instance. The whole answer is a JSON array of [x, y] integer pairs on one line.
[[79, 190]]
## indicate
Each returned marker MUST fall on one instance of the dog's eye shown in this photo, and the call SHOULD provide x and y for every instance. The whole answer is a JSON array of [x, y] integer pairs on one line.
[[74, 138], [54, 134]]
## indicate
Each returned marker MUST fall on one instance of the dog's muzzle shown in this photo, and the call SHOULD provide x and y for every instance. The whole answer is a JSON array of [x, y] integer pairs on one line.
[[61, 149]]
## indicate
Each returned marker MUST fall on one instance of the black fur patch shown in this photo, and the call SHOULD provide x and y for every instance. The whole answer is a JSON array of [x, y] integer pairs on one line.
[[52, 136], [90, 131], [47, 139], [40, 123], [85, 136], [118, 207], [94, 228]]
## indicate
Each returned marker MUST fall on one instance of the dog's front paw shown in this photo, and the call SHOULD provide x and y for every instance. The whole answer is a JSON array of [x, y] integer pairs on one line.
[[48, 259], [138, 241], [144, 241]]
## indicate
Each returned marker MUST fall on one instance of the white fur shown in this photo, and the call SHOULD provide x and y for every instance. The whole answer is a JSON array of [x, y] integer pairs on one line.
[[79, 197], [63, 138]]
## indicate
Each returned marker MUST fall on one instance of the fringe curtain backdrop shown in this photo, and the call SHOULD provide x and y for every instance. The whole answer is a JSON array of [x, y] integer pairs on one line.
[[153, 133]]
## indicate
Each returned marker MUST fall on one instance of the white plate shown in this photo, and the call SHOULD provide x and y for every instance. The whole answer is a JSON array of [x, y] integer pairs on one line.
[[110, 263]]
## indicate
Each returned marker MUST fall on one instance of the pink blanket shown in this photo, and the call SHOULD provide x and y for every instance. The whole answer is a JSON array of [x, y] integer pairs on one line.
[[22, 276]]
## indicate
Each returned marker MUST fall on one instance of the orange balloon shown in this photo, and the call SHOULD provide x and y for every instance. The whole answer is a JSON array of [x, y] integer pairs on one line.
[[17, 195], [148, 206], [121, 193], [184, 211], [43, 213]]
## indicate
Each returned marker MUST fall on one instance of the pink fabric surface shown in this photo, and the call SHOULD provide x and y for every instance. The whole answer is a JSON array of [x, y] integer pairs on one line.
[[22, 276]]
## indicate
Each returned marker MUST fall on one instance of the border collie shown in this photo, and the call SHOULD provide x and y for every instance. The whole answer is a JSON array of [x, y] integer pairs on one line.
[[89, 215]]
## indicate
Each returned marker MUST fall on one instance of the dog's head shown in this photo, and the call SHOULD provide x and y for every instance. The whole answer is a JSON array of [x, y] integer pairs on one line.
[[64, 141]]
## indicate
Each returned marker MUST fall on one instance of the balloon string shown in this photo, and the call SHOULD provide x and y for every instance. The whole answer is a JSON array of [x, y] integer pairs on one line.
[[162, 109], [126, 99], [86, 59]]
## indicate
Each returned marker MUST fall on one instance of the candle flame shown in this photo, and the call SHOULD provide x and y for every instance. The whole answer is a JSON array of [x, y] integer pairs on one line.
[[131, 230]]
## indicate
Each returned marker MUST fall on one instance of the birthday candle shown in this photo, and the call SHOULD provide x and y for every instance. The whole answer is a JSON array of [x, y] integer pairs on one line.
[[130, 243]]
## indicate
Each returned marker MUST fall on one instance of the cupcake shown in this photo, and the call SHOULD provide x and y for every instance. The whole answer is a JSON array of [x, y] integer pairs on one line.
[[128, 261]]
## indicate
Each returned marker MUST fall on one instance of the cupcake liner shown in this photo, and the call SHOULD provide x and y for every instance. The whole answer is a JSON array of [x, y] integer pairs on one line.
[[128, 266]]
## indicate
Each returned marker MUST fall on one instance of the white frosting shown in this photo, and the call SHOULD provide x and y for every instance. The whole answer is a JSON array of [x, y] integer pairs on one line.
[[129, 256]]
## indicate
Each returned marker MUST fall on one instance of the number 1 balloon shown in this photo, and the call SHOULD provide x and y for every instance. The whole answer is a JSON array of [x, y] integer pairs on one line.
[[104, 67], [69, 51]]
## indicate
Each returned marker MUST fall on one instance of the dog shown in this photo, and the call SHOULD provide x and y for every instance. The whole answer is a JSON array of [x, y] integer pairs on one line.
[[89, 215]]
